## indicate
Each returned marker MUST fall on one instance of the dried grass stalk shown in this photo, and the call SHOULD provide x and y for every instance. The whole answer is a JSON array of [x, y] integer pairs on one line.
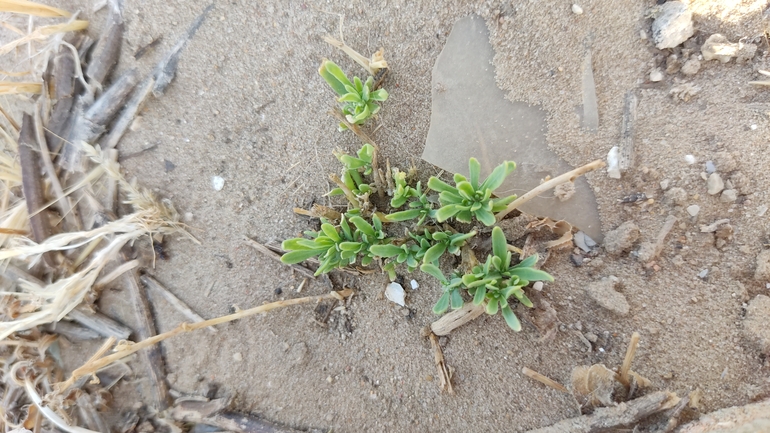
[[32, 8], [13, 87], [42, 33]]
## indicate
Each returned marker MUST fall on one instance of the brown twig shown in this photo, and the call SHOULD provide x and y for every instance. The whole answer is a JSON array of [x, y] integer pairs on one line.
[[155, 286], [545, 380], [130, 348], [444, 373], [569, 176], [605, 418]]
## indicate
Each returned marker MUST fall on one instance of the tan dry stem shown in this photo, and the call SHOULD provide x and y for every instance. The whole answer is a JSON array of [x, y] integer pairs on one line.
[[630, 353], [569, 176], [545, 380], [128, 348]]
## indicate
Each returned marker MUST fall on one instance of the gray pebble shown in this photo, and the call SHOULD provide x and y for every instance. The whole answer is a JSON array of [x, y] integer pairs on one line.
[[622, 238], [672, 26], [710, 168], [691, 67], [677, 196], [728, 196], [715, 184]]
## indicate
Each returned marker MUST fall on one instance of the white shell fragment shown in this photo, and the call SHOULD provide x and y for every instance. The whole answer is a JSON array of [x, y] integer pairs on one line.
[[217, 182], [415, 285], [395, 293], [613, 169], [577, 10]]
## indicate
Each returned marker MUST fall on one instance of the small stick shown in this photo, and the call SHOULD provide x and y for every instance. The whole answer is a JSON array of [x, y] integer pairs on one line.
[[32, 184], [107, 51], [348, 193], [277, 257], [626, 414], [356, 130], [457, 318], [545, 380], [376, 173], [99, 323], [630, 353], [673, 420], [152, 358], [115, 273], [126, 350], [713, 226], [155, 286], [569, 176], [443, 371], [72, 331]]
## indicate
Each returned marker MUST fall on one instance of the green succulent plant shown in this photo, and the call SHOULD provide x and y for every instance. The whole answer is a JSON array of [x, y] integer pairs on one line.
[[497, 280], [355, 167], [469, 198], [336, 247], [451, 288], [359, 101], [421, 208], [425, 248]]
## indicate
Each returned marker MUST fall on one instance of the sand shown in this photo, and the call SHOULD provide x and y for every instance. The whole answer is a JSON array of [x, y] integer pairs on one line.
[[249, 106]]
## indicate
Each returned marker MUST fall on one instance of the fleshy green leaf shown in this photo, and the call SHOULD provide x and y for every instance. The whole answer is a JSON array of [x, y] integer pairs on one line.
[[481, 293], [475, 172], [334, 76], [330, 232], [379, 95], [498, 175], [456, 300], [499, 243], [362, 225], [464, 216], [434, 253], [385, 250], [293, 257], [446, 212], [442, 305], [530, 274], [439, 185], [510, 318], [434, 271], [466, 190], [492, 307], [528, 262], [485, 217], [404, 215]]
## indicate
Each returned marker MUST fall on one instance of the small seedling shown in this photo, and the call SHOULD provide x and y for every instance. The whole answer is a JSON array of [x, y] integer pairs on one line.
[[355, 167], [469, 198], [421, 208], [359, 101]]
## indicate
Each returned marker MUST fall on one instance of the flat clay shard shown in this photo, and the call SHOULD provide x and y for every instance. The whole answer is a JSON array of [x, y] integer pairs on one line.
[[471, 118]]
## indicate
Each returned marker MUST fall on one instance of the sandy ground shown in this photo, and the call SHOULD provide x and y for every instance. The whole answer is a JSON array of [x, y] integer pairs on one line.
[[248, 105]]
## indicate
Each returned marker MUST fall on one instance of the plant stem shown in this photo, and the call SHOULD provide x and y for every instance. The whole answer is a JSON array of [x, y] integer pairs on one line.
[[348, 193], [569, 176], [96, 363], [630, 353]]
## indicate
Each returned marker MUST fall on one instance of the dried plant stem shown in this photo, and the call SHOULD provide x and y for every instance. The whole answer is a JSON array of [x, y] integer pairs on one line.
[[130, 348], [49, 413], [623, 376], [443, 370], [545, 380], [356, 130], [569, 176], [156, 287], [348, 193]]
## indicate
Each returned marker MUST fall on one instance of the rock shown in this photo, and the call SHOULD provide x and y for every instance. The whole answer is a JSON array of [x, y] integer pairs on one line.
[[664, 184], [583, 241], [622, 238], [710, 167], [576, 260], [613, 161], [720, 48], [677, 196], [728, 196], [656, 75], [217, 182], [672, 26], [691, 67], [394, 292], [673, 64], [754, 417], [684, 91], [538, 286], [690, 159], [755, 327], [715, 184], [693, 210], [603, 292], [577, 10], [762, 271]]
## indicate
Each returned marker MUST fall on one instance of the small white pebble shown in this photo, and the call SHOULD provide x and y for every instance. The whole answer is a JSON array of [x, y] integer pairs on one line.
[[188, 216], [656, 75], [577, 10], [689, 159], [329, 379], [237, 357], [642, 35], [217, 182], [538, 285], [693, 209], [761, 210], [664, 184], [415, 285], [753, 127]]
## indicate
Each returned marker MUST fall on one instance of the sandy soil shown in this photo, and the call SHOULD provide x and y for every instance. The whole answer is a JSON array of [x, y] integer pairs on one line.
[[248, 105]]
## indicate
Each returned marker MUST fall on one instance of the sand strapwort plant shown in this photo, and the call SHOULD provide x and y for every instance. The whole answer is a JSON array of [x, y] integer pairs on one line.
[[358, 99], [360, 236]]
